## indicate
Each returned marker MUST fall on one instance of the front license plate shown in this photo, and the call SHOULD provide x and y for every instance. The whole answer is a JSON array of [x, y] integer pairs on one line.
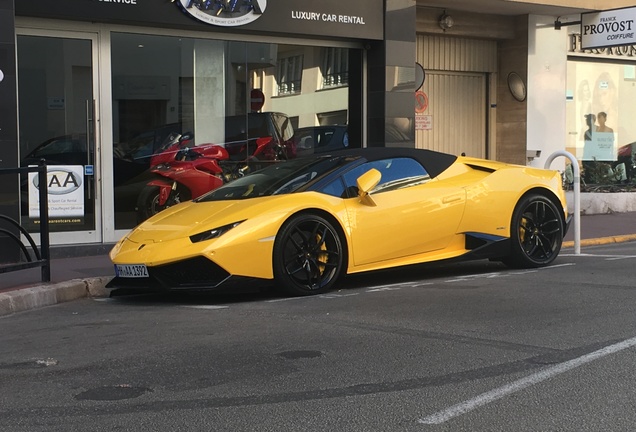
[[131, 270]]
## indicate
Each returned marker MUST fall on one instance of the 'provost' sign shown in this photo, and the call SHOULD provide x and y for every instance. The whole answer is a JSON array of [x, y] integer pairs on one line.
[[608, 28]]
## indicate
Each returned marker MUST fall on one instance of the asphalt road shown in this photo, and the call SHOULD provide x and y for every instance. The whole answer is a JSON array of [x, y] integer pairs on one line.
[[462, 347]]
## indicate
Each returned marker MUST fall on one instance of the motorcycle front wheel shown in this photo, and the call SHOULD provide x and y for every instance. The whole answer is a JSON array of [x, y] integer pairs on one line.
[[148, 201]]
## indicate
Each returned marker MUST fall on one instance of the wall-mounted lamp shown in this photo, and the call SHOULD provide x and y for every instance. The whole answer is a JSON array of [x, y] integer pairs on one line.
[[558, 23], [516, 86], [446, 21]]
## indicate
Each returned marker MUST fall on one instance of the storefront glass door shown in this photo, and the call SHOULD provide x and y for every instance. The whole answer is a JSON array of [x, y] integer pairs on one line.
[[58, 123]]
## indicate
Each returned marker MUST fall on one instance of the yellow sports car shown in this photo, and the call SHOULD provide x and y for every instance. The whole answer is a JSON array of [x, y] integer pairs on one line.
[[305, 222]]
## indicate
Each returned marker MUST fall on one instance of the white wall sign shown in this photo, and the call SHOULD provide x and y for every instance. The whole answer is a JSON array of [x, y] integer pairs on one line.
[[65, 189], [608, 28], [423, 122]]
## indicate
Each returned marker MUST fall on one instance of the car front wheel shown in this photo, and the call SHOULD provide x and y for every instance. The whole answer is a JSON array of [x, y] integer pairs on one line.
[[536, 233], [308, 255]]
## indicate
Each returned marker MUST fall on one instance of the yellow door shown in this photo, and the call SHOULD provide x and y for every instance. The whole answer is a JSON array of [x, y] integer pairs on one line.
[[404, 222]]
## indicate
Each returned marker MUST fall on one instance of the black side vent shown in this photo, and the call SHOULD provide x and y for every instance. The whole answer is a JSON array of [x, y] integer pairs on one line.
[[474, 242], [481, 168]]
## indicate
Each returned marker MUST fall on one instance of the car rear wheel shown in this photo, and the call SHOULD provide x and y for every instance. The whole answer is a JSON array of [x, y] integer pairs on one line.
[[308, 255], [537, 233]]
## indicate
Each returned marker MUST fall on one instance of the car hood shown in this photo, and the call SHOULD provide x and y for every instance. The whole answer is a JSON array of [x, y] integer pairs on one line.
[[191, 218]]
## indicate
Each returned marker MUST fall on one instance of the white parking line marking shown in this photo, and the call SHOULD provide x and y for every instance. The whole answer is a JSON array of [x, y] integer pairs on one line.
[[557, 266], [384, 288], [607, 257], [523, 272], [498, 393], [596, 256], [464, 278], [332, 296], [209, 307], [397, 286]]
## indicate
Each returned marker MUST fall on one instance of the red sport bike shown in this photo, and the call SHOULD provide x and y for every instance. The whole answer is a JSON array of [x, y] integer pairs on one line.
[[182, 172]]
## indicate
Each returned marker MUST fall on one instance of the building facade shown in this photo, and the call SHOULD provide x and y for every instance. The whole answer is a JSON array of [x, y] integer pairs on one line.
[[508, 84], [96, 87]]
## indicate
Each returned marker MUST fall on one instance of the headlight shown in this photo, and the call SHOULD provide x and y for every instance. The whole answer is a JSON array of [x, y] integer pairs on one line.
[[213, 233]]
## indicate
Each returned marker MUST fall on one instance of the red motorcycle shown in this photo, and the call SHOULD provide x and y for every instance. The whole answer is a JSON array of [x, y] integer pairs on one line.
[[183, 173]]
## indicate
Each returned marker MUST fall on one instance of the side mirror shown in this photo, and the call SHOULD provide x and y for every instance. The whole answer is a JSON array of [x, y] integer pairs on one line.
[[366, 182]]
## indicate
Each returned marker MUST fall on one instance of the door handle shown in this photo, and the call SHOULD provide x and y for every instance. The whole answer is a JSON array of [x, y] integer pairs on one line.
[[90, 140], [452, 198]]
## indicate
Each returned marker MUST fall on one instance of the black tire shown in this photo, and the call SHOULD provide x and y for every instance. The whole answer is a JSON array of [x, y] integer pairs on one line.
[[536, 233], [148, 202], [308, 256]]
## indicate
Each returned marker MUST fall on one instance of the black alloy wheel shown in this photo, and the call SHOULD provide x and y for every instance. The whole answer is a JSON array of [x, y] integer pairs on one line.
[[308, 255], [536, 233]]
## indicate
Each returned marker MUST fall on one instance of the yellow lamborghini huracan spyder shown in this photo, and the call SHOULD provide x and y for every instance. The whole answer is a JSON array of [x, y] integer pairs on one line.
[[307, 221]]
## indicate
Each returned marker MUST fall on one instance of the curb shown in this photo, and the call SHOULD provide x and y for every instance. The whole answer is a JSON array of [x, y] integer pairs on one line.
[[46, 295], [602, 240]]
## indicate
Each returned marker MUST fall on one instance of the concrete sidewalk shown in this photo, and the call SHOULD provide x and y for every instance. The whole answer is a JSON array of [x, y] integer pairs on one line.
[[604, 228], [71, 278], [85, 274]]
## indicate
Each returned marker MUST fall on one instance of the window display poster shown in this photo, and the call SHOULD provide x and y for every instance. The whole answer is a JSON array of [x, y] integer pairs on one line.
[[600, 147], [65, 186], [600, 113]]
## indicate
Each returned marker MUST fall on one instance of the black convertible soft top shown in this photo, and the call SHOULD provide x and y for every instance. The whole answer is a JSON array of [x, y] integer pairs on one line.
[[434, 162]]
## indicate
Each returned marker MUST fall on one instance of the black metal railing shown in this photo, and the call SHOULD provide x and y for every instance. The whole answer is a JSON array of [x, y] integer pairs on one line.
[[30, 256]]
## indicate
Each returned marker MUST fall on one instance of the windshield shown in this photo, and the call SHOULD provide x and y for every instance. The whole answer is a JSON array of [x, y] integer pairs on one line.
[[277, 179]]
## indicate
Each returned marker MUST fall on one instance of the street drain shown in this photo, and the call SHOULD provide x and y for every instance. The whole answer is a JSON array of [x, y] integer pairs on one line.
[[118, 392]]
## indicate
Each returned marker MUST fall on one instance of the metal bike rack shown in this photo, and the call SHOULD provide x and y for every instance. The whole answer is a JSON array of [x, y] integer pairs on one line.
[[577, 194], [41, 257]]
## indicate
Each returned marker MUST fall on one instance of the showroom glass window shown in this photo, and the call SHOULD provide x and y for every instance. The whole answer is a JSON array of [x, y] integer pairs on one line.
[[56, 112], [600, 127], [165, 88], [289, 74], [335, 66]]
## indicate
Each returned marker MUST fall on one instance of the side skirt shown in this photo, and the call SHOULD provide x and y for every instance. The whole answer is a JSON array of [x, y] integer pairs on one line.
[[482, 246]]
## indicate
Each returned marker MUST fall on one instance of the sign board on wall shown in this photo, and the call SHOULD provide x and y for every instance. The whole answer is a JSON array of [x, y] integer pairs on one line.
[[423, 122], [65, 191], [421, 101], [257, 99], [351, 19], [608, 28]]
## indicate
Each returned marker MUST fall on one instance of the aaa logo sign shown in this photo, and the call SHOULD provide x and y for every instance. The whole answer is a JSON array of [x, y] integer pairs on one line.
[[64, 186]]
